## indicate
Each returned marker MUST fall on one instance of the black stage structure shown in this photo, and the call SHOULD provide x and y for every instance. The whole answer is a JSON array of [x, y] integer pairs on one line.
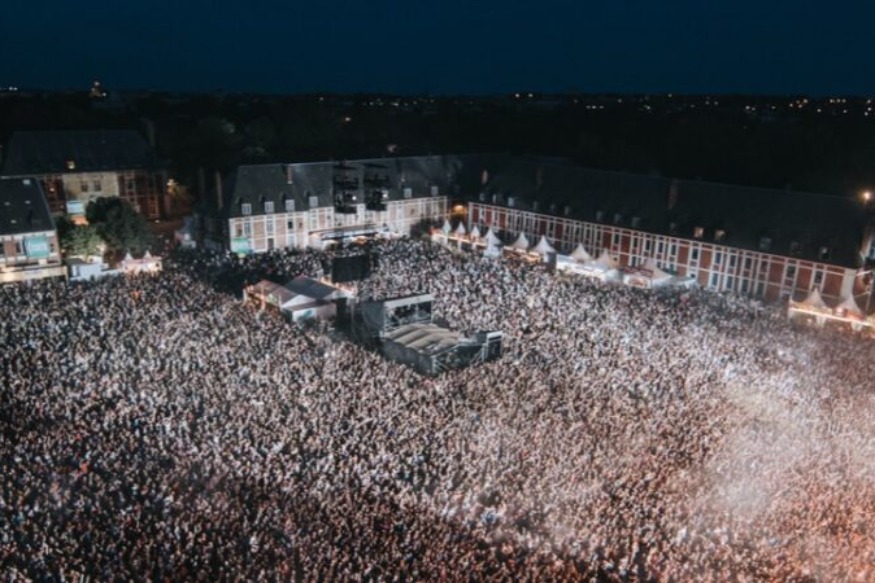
[[404, 331]]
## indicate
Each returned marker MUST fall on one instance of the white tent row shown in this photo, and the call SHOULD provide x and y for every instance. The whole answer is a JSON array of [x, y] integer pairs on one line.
[[847, 311]]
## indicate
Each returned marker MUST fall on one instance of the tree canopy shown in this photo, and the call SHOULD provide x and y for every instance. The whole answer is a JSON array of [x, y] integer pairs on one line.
[[119, 224]]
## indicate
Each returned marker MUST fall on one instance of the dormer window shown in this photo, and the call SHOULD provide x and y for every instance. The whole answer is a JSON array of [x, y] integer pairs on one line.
[[290, 205], [795, 248], [71, 164], [636, 222], [408, 192], [824, 253], [765, 243], [719, 235], [245, 209], [435, 190], [600, 215], [698, 232], [617, 218], [672, 227], [268, 206]]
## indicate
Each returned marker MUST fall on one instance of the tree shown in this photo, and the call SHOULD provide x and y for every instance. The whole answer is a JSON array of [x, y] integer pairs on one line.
[[120, 225], [81, 240]]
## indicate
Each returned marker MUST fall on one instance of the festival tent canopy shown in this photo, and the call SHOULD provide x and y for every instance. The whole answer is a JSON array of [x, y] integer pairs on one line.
[[492, 238], [580, 254], [849, 304], [814, 300], [543, 247], [447, 228], [475, 232], [657, 276], [605, 260], [521, 243], [460, 230]]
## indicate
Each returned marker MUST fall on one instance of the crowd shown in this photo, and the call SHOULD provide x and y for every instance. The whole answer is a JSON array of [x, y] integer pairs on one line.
[[154, 428]]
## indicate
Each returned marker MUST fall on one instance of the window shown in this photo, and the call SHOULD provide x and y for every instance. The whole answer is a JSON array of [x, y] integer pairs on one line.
[[290, 225], [718, 258], [97, 186], [673, 250], [83, 186], [660, 247], [790, 272], [714, 279], [246, 209], [824, 253], [747, 262], [71, 164], [247, 229], [19, 249], [268, 206], [129, 185], [648, 245], [636, 222], [694, 254], [600, 216], [2, 248], [765, 243], [719, 235], [290, 205], [408, 193], [269, 227], [764, 265], [732, 259], [616, 242], [818, 277], [617, 218], [795, 248], [699, 232], [434, 190], [313, 202]]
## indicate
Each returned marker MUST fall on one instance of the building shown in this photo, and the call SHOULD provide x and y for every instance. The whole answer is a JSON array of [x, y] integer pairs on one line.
[[28, 239], [274, 206], [75, 167], [766, 243]]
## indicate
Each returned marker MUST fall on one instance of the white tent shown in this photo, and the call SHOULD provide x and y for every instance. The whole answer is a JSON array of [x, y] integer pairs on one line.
[[492, 239], [814, 300], [543, 247], [475, 232], [521, 243], [658, 277], [447, 228], [605, 260], [849, 304], [580, 254], [461, 231]]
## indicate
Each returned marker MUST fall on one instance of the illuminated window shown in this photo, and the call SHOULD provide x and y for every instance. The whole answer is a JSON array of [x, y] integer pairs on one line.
[[824, 253], [719, 235], [71, 165], [698, 232]]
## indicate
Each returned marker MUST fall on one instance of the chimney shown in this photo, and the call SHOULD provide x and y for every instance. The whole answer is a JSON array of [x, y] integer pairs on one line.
[[288, 174], [219, 189]]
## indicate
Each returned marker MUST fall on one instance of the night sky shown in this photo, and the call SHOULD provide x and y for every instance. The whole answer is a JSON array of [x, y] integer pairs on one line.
[[453, 46]]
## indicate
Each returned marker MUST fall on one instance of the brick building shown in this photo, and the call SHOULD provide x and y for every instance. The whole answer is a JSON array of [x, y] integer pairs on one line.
[[766, 243], [274, 206], [28, 239], [75, 167]]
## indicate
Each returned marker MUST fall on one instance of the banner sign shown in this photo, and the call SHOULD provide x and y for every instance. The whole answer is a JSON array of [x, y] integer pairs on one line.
[[37, 247]]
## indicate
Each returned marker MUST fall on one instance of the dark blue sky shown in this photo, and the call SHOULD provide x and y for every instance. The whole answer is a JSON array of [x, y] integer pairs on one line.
[[453, 46]]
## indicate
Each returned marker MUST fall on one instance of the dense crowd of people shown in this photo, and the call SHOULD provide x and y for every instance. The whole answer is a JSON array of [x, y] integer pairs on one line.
[[152, 427]]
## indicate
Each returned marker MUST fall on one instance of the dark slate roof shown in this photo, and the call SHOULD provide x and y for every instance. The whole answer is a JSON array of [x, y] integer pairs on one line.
[[48, 152], [23, 207], [256, 184], [798, 224], [309, 287]]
